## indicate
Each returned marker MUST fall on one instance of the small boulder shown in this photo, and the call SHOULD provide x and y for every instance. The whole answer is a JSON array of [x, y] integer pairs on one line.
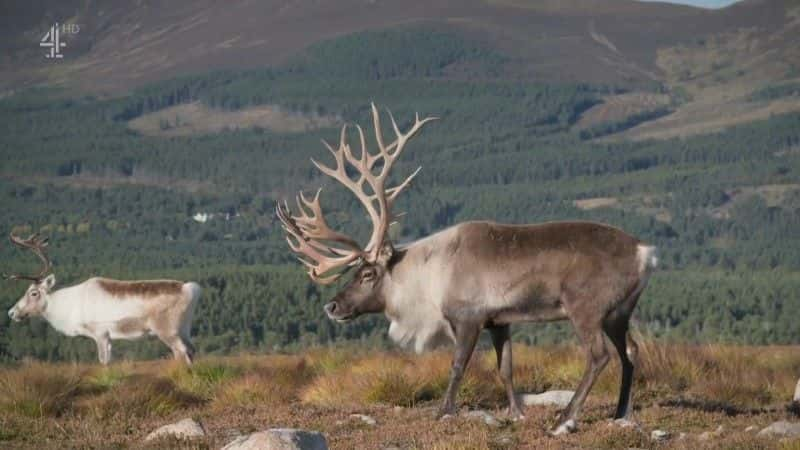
[[624, 423], [781, 428], [554, 398], [483, 416], [280, 439], [369, 420], [659, 435], [185, 429]]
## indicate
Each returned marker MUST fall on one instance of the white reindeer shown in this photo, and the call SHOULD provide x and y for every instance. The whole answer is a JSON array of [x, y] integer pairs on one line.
[[105, 309]]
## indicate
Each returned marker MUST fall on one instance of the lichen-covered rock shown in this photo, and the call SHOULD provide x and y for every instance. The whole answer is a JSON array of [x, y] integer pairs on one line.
[[185, 429], [659, 435], [280, 439], [781, 428], [483, 416], [369, 420], [554, 398], [624, 423]]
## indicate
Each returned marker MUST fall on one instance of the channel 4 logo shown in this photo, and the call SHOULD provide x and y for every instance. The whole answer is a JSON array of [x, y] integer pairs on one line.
[[54, 39]]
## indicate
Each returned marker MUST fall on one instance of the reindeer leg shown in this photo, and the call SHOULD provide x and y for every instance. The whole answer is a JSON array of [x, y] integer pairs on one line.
[[466, 337], [179, 349], [108, 350], [501, 338], [190, 350], [103, 348], [597, 358], [618, 334]]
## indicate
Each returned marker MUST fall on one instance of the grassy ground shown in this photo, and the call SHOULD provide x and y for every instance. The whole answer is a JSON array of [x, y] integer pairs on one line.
[[679, 389]]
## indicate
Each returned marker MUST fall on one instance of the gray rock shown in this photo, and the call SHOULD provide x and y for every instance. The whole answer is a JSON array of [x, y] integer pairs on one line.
[[185, 429], [280, 439], [369, 420], [504, 440], [781, 428], [624, 423], [659, 435], [555, 398], [484, 416]]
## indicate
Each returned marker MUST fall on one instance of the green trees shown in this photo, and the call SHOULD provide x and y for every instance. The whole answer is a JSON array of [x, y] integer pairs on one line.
[[120, 204]]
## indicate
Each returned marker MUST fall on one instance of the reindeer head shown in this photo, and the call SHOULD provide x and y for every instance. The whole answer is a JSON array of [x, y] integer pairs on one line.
[[34, 302], [310, 236]]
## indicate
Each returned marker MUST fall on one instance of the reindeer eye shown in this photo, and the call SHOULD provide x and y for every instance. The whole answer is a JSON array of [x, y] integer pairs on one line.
[[368, 275], [35, 294]]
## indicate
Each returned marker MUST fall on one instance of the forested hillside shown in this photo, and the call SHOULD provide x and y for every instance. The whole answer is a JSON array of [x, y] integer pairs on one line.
[[723, 208]]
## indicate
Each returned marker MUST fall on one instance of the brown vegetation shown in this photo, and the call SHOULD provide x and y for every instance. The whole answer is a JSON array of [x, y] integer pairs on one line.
[[679, 388], [196, 118]]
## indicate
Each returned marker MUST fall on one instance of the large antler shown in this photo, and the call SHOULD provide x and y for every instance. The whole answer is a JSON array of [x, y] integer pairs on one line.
[[309, 231], [38, 246]]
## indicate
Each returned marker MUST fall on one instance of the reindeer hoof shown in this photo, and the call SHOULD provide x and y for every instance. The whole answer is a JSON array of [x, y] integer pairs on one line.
[[445, 413], [515, 414], [565, 428]]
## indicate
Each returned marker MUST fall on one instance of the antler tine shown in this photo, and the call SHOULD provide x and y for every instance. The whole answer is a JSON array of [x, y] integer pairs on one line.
[[304, 234], [385, 197], [37, 245], [307, 232], [315, 226]]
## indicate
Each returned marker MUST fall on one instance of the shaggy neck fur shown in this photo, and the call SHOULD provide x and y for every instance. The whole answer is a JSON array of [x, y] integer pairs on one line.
[[414, 294]]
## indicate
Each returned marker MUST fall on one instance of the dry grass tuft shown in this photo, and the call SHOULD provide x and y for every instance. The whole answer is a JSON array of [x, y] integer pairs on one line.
[[615, 437], [106, 377], [203, 378], [141, 396], [264, 385], [401, 380], [37, 390], [729, 377]]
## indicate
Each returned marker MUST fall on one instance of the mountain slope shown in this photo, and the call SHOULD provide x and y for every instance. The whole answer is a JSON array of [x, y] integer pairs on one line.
[[119, 47]]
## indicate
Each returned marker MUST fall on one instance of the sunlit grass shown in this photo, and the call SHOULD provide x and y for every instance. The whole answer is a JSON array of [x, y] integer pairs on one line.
[[704, 382], [204, 377], [39, 390]]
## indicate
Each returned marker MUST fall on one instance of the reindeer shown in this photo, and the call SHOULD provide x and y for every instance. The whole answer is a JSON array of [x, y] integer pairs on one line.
[[473, 276], [105, 309]]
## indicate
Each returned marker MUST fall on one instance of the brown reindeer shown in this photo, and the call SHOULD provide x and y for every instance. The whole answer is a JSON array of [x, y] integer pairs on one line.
[[474, 275]]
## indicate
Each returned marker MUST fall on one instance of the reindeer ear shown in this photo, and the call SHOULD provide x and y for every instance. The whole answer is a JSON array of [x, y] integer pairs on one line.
[[386, 253], [48, 282]]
